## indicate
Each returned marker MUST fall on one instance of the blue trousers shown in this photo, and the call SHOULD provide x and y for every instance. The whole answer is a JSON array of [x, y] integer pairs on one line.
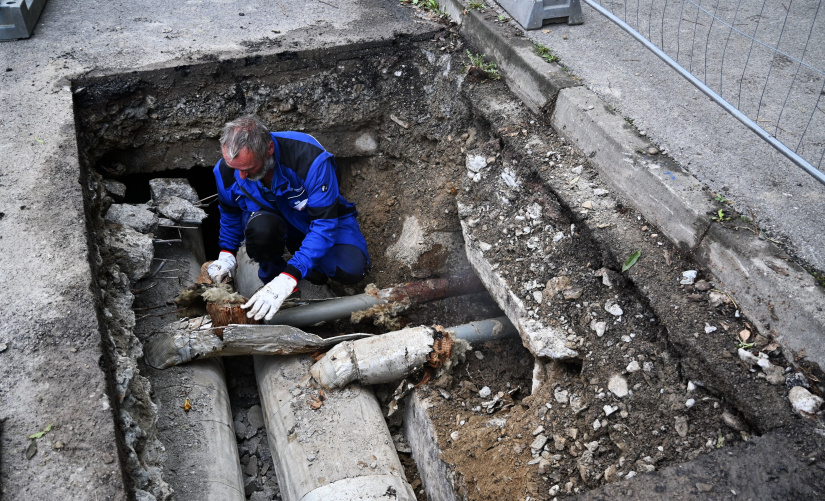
[[342, 263]]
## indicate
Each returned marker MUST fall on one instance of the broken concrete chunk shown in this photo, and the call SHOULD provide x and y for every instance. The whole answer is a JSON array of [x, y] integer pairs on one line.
[[688, 277], [255, 417], [163, 188], [572, 293], [139, 218], [115, 189], [132, 251], [181, 211]]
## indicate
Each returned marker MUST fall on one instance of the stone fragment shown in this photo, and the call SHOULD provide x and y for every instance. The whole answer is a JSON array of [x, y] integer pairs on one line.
[[610, 474], [539, 430], [475, 163], [690, 403], [537, 296], [633, 367], [600, 192], [587, 204], [598, 327], [596, 424], [702, 285], [618, 386], [559, 442], [681, 426], [133, 251], [702, 487], [251, 467], [613, 308], [572, 293], [485, 392], [804, 402], [181, 211], [609, 409], [115, 189], [163, 188], [733, 422], [557, 284], [139, 218], [709, 328], [561, 396], [538, 443], [255, 417]]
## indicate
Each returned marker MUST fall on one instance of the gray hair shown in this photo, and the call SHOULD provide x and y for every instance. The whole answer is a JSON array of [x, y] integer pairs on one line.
[[246, 132]]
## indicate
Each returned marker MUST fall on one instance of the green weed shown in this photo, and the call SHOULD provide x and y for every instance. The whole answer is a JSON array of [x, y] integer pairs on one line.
[[545, 53], [489, 69], [474, 5]]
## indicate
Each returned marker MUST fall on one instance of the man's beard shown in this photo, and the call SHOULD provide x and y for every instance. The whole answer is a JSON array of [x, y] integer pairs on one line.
[[269, 164]]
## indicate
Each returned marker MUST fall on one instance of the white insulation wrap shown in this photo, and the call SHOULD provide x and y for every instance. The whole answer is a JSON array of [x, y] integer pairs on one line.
[[341, 451], [375, 360]]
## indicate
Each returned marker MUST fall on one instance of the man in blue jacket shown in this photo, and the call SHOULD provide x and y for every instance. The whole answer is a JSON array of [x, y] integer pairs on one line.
[[278, 190]]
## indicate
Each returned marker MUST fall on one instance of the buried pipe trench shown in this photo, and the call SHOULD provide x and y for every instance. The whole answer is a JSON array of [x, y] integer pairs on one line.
[[405, 124]]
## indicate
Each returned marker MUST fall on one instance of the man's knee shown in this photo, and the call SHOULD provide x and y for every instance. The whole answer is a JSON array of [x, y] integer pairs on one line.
[[350, 265], [265, 233]]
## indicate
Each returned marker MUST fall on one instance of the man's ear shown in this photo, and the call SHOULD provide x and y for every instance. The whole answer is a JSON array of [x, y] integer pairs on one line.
[[271, 150]]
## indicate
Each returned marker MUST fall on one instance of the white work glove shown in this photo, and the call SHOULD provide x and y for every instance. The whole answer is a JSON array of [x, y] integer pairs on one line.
[[222, 267], [271, 296]]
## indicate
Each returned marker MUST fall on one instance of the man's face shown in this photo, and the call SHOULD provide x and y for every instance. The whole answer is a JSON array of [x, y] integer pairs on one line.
[[248, 166]]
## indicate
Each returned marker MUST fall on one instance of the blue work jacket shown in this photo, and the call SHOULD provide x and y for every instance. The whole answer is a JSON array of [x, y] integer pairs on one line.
[[304, 192]]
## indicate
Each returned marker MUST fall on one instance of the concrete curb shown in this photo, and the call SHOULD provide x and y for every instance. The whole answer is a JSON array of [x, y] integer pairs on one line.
[[528, 76], [776, 294]]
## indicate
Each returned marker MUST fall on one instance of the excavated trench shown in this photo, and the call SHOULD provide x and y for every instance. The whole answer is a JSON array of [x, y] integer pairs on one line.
[[405, 123]]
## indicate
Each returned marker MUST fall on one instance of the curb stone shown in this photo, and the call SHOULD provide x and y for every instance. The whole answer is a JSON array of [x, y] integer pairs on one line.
[[528, 76], [664, 194]]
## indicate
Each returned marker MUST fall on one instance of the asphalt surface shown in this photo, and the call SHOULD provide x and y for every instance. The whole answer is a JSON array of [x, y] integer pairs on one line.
[[714, 147]]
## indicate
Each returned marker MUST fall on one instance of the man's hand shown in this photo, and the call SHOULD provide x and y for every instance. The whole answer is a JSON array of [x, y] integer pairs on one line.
[[223, 267], [267, 300]]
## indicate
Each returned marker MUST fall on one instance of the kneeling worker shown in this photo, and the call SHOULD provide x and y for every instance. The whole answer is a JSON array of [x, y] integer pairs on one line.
[[279, 190]]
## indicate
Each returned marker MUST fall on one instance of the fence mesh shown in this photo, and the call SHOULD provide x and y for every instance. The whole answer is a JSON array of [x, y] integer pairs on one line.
[[764, 59]]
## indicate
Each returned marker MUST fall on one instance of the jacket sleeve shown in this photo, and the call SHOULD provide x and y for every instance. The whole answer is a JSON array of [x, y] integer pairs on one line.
[[231, 232], [322, 208]]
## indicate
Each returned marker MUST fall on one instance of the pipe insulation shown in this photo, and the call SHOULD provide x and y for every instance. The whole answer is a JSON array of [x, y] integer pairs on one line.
[[331, 445], [326, 444], [395, 355]]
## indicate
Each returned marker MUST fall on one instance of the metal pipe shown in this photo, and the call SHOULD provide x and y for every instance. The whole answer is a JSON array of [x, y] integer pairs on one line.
[[762, 133], [424, 291], [485, 330]]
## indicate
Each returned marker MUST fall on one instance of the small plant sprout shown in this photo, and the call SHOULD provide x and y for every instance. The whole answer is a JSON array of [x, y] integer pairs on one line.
[[720, 216], [479, 66], [475, 5], [502, 18], [545, 53], [721, 199]]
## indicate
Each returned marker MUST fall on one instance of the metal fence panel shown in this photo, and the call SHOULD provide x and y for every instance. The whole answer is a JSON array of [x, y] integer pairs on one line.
[[763, 61]]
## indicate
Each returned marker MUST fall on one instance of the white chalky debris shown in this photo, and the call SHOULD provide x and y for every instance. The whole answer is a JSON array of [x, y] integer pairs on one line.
[[454, 436], [613, 308], [600, 192], [596, 424], [647, 367], [609, 409], [688, 277], [598, 327], [484, 246], [561, 396], [558, 236], [633, 366], [804, 401], [691, 386], [690, 403], [537, 296], [485, 392], [709, 328], [618, 386]]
